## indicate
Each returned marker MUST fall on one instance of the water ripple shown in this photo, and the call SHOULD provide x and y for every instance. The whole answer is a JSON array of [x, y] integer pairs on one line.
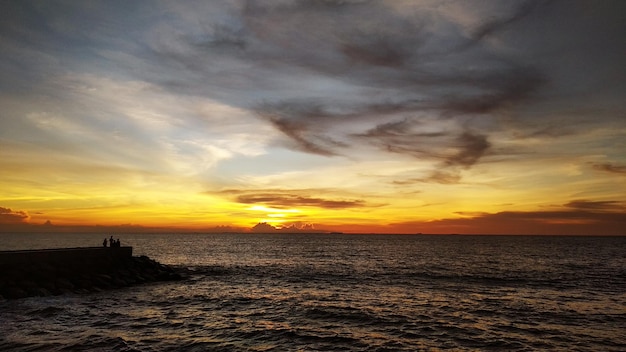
[[348, 294]]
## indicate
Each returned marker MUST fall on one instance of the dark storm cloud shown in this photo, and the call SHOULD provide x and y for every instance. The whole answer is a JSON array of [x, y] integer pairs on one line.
[[290, 199]]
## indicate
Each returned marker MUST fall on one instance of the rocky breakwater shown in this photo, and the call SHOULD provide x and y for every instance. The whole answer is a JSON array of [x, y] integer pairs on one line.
[[76, 270]]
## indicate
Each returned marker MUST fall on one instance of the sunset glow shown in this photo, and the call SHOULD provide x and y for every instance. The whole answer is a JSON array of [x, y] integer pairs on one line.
[[331, 116]]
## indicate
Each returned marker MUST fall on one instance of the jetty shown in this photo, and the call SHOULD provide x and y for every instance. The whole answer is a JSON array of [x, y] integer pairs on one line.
[[47, 272]]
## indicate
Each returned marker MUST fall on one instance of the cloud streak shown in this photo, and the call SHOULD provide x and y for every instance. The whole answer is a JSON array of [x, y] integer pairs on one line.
[[610, 168], [597, 206], [283, 199], [577, 217]]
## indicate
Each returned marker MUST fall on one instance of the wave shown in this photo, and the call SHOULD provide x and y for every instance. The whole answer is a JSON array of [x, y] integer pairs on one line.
[[556, 279], [280, 294], [94, 343], [46, 312], [341, 314]]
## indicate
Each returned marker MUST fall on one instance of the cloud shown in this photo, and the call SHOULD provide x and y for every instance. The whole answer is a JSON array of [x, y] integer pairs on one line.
[[185, 91], [328, 74], [574, 222], [297, 121], [11, 217], [471, 148], [464, 151], [442, 177], [598, 206], [576, 217], [494, 25], [299, 227], [263, 227], [290, 199], [579, 217], [610, 168], [413, 93]]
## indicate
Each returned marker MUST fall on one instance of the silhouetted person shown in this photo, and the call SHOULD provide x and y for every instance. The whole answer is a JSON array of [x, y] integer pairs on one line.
[[104, 243], [111, 241]]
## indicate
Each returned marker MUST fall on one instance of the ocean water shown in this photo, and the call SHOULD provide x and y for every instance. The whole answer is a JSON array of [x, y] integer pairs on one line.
[[340, 293]]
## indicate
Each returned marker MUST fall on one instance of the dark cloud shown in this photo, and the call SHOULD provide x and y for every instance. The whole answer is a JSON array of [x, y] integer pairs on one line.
[[300, 122], [500, 90], [494, 25], [282, 200], [442, 177], [573, 221], [11, 217], [610, 167], [470, 148], [332, 76], [298, 133], [311, 124], [596, 205], [578, 217], [385, 54], [290, 199], [225, 37], [467, 148], [372, 46], [392, 64], [399, 137]]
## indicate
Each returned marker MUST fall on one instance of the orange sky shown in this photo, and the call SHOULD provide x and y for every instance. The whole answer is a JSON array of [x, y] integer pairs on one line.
[[383, 117]]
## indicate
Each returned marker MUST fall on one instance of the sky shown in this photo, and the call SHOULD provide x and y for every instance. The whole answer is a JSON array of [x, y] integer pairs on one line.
[[425, 116]]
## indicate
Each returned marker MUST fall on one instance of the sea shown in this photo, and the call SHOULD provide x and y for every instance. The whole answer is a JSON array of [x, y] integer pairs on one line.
[[339, 292]]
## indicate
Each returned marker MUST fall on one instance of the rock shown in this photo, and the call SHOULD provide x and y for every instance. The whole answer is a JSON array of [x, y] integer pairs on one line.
[[38, 291], [64, 284], [27, 285], [118, 282], [48, 285], [15, 292], [55, 272]]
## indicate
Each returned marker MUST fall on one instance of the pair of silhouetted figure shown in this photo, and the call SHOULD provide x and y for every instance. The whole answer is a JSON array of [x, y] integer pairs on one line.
[[112, 243]]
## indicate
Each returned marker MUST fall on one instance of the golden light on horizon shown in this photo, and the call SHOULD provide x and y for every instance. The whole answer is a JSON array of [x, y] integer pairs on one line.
[[158, 131]]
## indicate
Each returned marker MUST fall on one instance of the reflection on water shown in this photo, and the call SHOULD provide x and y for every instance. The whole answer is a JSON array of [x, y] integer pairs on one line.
[[362, 293]]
